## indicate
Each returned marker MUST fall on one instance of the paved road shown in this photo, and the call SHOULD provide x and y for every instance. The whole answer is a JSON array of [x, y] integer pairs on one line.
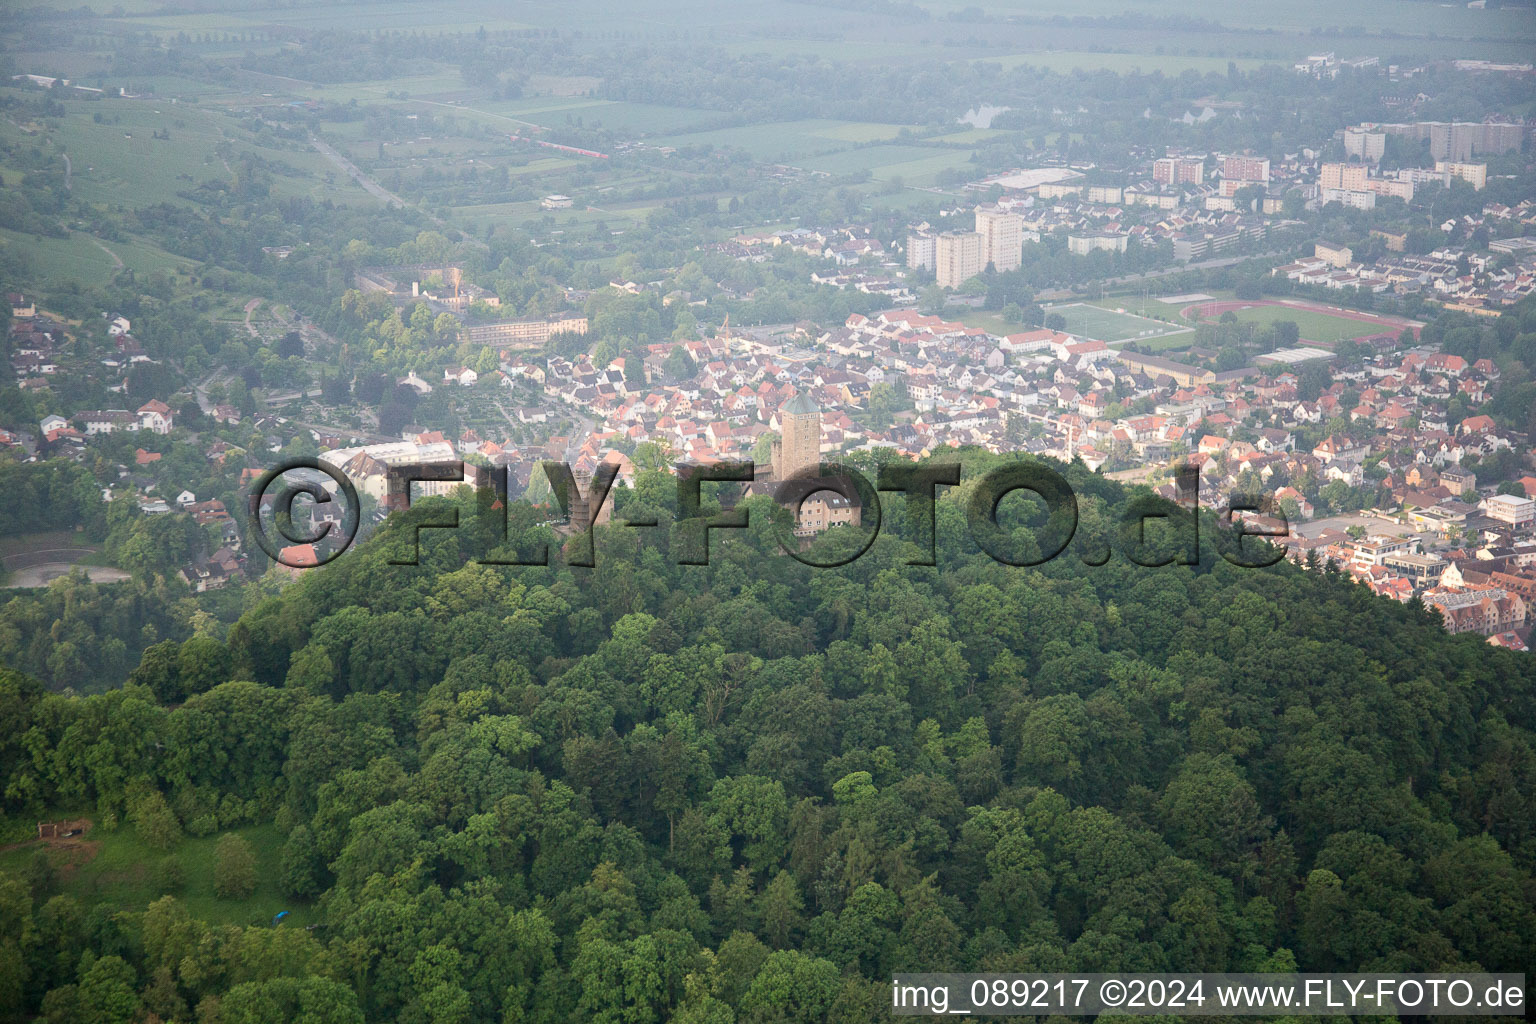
[[200, 390], [380, 192], [579, 436], [372, 187]]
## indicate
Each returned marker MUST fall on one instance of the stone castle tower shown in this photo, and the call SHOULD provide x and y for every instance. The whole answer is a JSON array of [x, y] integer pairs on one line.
[[800, 446]]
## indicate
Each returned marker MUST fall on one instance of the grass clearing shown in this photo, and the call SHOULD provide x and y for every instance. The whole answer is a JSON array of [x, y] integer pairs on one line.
[[862, 131], [917, 164], [1313, 326], [120, 871], [972, 136]]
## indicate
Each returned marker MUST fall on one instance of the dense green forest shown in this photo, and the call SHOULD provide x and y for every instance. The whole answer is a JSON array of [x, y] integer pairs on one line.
[[749, 791]]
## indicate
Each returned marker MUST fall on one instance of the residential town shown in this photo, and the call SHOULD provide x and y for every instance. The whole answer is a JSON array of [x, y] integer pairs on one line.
[[1364, 429]]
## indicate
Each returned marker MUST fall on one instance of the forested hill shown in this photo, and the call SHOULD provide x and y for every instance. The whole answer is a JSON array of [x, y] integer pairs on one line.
[[749, 791]]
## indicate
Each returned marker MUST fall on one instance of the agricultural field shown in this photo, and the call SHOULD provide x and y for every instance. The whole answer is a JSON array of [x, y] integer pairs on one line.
[[396, 16], [971, 136], [791, 141], [80, 257], [618, 217], [75, 258], [145, 151], [1453, 21], [1111, 326], [1084, 60], [827, 49]]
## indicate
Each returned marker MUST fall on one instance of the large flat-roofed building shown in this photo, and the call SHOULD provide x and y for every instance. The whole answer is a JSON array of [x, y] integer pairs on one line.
[[1361, 200], [1511, 509], [1475, 175], [1419, 570], [958, 258], [368, 466], [1154, 366], [1031, 178], [530, 332], [1082, 245], [1392, 188], [1002, 238]]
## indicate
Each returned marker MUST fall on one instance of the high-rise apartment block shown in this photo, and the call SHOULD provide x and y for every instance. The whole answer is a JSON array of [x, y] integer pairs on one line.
[[1459, 141], [1348, 176], [1246, 168], [958, 258], [1365, 144], [1476, 174], [921, 251], [1178, 170], [1002, 238]]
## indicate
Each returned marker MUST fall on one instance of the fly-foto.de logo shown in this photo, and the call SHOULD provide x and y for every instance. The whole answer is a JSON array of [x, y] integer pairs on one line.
[[816, 500]]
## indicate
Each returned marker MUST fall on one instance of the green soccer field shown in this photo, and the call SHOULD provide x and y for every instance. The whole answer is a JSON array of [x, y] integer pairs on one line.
[[1110, 327], [1314, 326]]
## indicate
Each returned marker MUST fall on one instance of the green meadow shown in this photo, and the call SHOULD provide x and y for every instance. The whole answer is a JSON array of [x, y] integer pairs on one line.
[[119, 871]]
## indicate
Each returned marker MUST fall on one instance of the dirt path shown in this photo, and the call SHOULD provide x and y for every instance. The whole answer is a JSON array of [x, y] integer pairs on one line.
[[250, 307], [34, 576], [38, 556], [117, 261]]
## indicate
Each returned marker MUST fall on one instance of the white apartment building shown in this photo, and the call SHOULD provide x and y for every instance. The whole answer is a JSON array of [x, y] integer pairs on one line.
[[922, 252]]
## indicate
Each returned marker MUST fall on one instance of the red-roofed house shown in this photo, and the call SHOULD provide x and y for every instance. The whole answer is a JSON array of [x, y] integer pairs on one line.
[[155, 416]]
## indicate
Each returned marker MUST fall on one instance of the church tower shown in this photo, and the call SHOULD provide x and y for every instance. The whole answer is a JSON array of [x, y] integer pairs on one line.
[[800, 446]]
